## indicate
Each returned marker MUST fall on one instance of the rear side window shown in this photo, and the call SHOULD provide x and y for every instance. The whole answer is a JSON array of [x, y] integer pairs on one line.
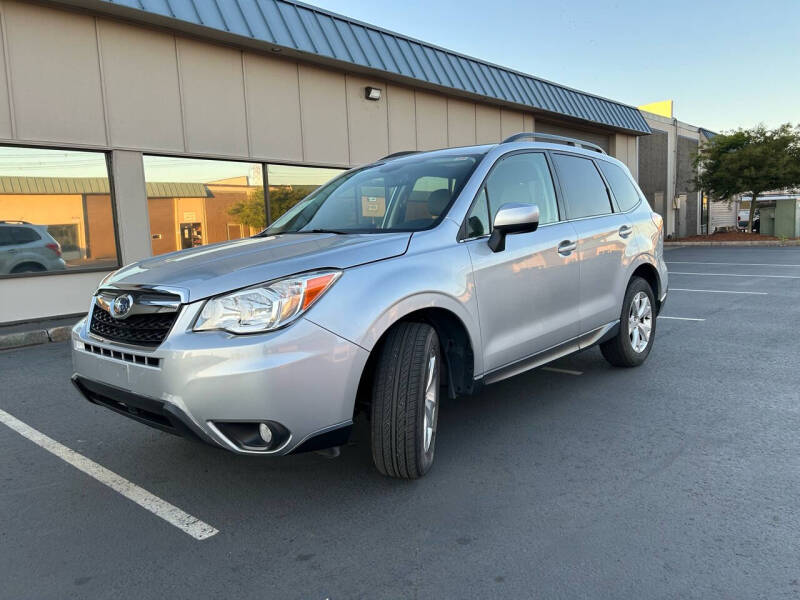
[[5, 236], [584, 189], [624, 191], [24, 235]]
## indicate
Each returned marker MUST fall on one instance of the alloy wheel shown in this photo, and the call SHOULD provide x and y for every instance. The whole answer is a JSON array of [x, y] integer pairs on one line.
[[431, 401], [640, 322]]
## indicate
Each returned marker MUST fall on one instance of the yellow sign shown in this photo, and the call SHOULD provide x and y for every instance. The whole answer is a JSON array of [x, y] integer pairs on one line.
[[662, 108]]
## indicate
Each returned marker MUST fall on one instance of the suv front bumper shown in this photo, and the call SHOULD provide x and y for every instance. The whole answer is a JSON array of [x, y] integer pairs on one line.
[[302, 377]]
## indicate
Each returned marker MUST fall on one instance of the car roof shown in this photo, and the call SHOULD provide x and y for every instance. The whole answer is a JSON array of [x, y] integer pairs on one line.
[[483, 149]]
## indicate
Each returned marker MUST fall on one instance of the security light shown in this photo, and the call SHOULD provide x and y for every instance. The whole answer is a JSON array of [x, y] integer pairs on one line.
[[372, 93]]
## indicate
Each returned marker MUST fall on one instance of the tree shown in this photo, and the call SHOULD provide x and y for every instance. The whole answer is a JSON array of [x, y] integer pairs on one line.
[[752, 161], [252, 211]]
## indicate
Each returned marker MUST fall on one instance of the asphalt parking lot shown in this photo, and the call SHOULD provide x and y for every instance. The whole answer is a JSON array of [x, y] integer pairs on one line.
[[679, 479]]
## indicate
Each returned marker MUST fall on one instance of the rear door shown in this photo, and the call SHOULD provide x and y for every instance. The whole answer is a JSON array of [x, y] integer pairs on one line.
[[527, 294], [602, 239]]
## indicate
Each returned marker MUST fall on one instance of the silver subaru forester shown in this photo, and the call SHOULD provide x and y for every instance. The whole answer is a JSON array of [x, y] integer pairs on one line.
[[421, 276]]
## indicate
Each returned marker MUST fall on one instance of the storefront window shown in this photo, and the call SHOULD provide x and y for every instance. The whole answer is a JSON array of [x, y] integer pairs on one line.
[[192, 202], [55, 211], [288, 185]]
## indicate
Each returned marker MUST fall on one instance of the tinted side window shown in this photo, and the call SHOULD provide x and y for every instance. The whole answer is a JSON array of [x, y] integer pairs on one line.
[[478, 217], [624, 191], [5, 236], [24, 235], [525, 179], [583, 187]]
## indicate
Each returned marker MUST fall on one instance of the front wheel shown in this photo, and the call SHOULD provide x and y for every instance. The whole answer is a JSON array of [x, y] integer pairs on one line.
[[637, 327], [405, 401]]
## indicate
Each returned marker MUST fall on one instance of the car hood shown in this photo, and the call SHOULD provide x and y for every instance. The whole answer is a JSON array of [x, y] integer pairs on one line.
[[217, 268]]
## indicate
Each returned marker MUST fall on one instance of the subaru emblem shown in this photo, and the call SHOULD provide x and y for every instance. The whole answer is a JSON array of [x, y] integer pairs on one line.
[[121, 306]]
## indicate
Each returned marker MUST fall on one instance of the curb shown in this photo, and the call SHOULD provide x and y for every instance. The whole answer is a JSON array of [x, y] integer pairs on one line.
[[35, 337], [742, 243]]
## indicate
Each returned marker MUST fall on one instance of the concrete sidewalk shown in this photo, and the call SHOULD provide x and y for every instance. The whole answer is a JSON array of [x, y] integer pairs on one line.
[[736, 243], [37, 332]]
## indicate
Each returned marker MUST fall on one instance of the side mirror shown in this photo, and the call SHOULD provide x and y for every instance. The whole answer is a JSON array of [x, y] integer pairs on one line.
[[512, 218]]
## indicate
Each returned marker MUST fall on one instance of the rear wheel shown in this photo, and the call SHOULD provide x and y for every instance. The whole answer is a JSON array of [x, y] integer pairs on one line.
[[28, 267], [637, 327], [405, 401]]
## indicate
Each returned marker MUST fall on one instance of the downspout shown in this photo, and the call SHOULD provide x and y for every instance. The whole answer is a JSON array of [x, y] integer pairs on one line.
[[676, 213]]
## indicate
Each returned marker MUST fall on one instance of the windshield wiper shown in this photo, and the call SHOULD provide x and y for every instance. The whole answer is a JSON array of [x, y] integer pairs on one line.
[[268, 233], [337, 231]]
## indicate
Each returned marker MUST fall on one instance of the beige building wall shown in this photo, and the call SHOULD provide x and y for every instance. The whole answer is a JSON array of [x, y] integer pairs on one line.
[[674, 129], [595, 137], [625, 148], [69, 79]]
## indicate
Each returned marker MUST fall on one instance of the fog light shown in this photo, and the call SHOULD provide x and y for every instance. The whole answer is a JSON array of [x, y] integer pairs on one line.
[[266, 433]]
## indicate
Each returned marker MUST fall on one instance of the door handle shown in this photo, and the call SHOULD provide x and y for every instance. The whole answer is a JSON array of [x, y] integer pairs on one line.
[[625, 231], [567, 247]]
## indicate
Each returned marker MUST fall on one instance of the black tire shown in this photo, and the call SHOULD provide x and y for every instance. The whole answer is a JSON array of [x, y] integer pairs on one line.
[[29, 267], [398, 401], [619, 350]]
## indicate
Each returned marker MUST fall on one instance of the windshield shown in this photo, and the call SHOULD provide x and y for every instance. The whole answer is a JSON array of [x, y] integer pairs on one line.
[[408, 194]]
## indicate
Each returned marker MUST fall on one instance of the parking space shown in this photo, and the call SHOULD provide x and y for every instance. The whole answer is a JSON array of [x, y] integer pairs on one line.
[[676, 479]]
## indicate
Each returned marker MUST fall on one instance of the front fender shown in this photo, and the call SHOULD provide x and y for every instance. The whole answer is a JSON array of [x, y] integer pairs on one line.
[[369, 299]]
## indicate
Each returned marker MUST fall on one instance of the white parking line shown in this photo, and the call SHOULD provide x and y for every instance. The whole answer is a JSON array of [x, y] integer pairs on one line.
[[565, 371], [680, 318], [717, 291], [690, 262], [737, 275], [161, 508]]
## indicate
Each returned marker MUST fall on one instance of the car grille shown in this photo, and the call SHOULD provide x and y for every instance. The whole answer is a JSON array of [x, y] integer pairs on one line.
[[140, 330], [138, 359]]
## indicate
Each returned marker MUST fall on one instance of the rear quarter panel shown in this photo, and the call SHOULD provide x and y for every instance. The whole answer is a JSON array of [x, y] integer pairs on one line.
[[647, 245]]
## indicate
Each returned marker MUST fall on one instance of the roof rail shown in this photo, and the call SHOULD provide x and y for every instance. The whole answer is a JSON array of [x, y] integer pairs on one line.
[[399, 154], [11, 222], [557, 138]]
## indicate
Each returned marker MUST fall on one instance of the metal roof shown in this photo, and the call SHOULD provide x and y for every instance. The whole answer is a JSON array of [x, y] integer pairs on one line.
[[707, 133], [175, 189], [316, 32], [96, 185]]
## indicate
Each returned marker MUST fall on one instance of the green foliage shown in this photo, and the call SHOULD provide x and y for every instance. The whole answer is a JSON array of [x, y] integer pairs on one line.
[[281, 198], [751, 161], [284, 197], [250, 212]]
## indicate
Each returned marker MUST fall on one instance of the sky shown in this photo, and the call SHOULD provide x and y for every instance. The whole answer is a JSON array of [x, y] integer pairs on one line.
[[41, 162], [725, 64]]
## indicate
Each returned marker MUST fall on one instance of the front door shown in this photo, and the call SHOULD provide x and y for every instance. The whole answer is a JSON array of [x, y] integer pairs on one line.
[[527, 294], [191, 235]]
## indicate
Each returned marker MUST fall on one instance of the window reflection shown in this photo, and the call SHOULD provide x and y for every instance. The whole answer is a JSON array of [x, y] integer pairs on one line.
[[55, 211], [288, 185], [192, 202]]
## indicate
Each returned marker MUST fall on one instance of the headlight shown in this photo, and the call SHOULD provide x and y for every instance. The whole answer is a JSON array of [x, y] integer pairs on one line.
[[267, 306]]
